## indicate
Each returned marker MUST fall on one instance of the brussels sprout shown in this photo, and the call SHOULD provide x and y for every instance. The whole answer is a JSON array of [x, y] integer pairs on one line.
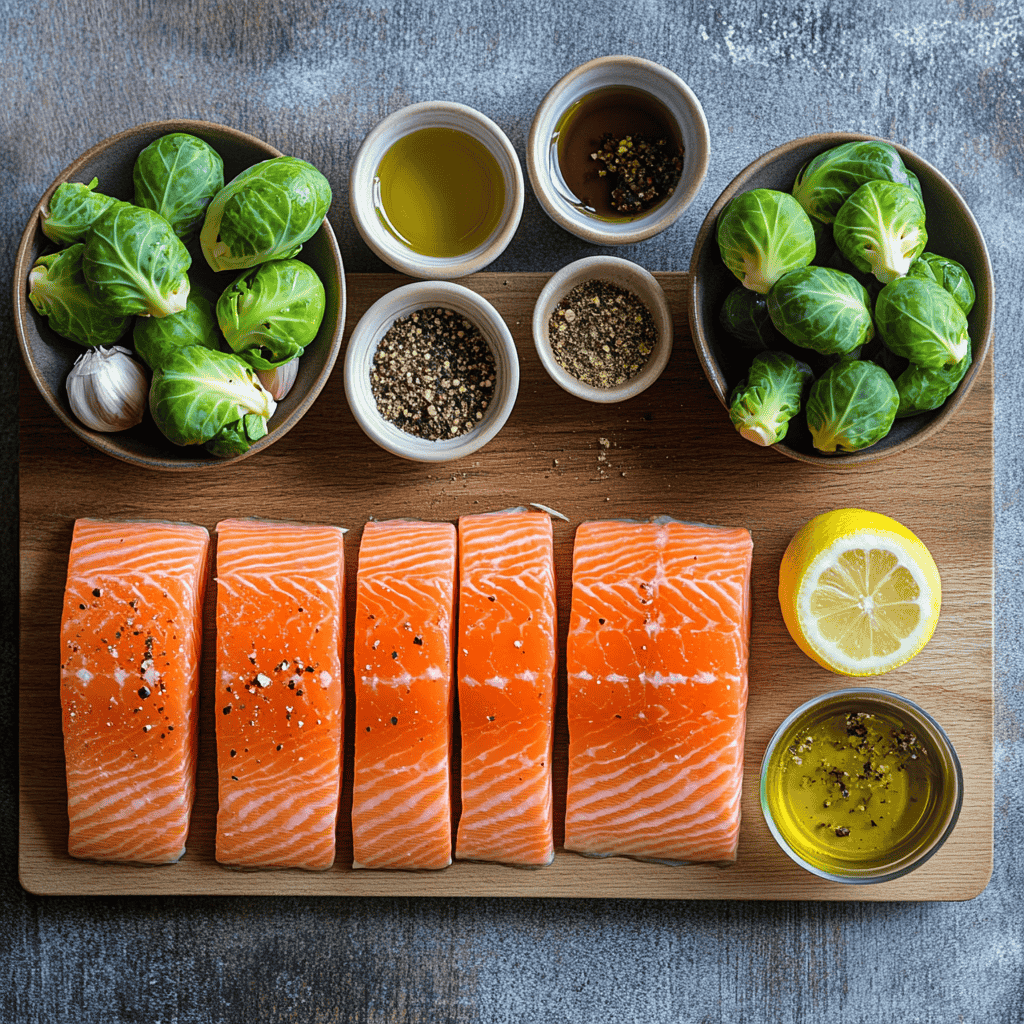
[[922, 390], [761, 406], [72, 210], [265, 213], [821, 309], [762, 235], [57, 290], [156, 337], [922, 322], [176, 176], [744, 316], [201, 396], [880, 229], [949, 274], [851, 406], [826, 182], [824, 243], [135, 263], [270, 313]]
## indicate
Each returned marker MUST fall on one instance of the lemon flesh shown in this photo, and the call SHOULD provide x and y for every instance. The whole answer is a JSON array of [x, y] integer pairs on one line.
[[860, 594]]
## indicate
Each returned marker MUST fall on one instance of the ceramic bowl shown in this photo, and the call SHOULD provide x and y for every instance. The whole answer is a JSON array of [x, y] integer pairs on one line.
[[928, 829], [952, 231], [49, 357], [377, 321], [626, 275], [363, 187], [541, 156]]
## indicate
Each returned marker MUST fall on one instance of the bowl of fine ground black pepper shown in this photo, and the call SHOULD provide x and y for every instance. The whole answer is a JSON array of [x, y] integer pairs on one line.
[[431, 371], [618, 150], [603, 329]]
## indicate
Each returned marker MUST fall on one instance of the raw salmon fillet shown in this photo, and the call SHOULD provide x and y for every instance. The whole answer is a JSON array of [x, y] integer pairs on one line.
[[657, 689], [506, 667], [404, 662], [131, 632], [280, 692]]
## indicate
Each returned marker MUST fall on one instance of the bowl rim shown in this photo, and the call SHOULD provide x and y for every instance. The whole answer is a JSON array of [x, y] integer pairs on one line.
[[587, 269], [841, 699], [408, 261], [22, 315], [372, 326], [662, 216], [845, 460]]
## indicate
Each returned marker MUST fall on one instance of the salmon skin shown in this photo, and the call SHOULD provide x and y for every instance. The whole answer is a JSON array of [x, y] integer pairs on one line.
[[131, 632], [507, 663], [656, 661], [279, 693], [404, 661]]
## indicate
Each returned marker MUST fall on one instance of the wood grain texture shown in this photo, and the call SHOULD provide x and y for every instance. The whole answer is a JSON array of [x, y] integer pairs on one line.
[[671, 450]]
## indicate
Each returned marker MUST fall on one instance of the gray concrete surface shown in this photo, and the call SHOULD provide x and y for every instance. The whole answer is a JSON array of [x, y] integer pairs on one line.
[[945, 78]]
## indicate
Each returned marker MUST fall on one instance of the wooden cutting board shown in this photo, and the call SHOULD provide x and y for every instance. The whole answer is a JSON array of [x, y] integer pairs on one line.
[[671, 450]]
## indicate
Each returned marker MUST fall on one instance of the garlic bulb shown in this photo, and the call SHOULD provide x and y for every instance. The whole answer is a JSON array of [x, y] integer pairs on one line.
[[107, 389], [279, 381]]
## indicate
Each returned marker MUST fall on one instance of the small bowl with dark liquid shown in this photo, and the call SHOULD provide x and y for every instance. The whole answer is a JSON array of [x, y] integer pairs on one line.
[[618, 150]]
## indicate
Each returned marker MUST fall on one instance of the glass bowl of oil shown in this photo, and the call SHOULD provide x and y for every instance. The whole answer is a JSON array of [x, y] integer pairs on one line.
[[436, 190], [860, 786], [618, 150]]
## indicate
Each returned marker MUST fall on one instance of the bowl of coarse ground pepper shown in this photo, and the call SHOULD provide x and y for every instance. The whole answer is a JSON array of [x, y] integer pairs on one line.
[[431, 371], [603, 329]]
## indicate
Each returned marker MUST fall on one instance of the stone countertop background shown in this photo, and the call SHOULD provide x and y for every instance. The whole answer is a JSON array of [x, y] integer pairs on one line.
[[944, 77]]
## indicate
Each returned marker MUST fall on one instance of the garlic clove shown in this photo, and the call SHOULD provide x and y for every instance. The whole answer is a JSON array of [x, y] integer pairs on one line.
[[279, 381], [108, 389]]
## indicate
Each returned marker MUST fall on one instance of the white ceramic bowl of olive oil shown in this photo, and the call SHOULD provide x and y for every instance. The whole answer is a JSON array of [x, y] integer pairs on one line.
[[436, 190], [372, 402], [631, 102]]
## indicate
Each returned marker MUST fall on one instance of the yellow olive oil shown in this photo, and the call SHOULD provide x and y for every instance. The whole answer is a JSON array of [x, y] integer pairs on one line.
[[858, 789], [439, 191]]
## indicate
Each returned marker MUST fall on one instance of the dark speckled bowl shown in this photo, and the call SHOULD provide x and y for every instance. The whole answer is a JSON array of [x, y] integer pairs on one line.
[[952, 231], [50, 357]]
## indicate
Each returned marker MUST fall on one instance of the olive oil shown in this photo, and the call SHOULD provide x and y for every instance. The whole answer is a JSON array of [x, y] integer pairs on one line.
[[858, 790], [610, 116], [439, 191]]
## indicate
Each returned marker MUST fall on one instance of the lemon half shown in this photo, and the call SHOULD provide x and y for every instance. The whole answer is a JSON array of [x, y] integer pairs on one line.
[[860, 594]]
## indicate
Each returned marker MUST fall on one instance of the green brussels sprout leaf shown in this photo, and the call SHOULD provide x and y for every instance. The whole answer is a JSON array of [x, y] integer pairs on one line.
[[72, 209], [57, 290], [949, 274], [826, 182], [761, 406], [821, 309], [176, 176], [921, 321], [156, 337], [265, 213], [880, 229], [134, 263], [201, 396], [268, 314], [763, 234], [922, 390], [851, 406], [744, 317]]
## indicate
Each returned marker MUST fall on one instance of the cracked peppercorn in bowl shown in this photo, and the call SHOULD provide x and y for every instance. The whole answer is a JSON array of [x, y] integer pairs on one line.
[[618, 150], [431, 372], [603, 329]]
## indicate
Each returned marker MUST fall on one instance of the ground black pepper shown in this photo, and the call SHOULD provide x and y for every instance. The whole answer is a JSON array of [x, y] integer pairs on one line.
[[433, 374], [602, 334]]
